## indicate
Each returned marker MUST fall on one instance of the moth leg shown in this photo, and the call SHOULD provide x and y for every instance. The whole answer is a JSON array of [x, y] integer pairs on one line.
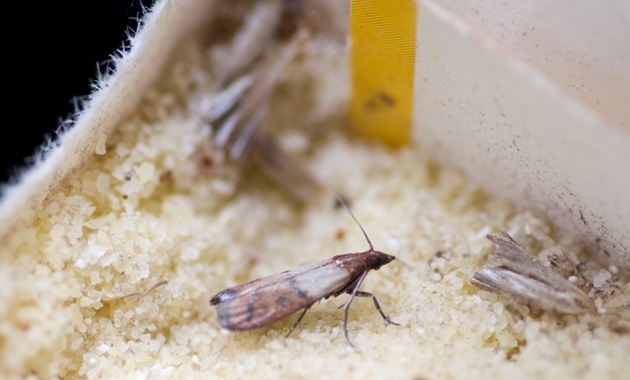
[[354, 285], [378, 307], [297, 322], [353, 293]]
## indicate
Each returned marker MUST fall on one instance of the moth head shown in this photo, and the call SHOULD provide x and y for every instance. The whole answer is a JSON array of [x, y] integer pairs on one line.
[[377, 259]]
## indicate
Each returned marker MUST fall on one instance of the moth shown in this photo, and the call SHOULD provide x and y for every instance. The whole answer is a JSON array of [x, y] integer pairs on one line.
[[513, 272], [263, 301]]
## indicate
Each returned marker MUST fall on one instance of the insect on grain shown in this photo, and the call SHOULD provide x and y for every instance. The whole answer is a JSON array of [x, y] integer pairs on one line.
[[514, 273], [263, 301]]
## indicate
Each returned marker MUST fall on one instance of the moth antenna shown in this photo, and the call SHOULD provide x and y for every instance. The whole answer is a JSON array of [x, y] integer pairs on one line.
[[142, 294], [343, 202]]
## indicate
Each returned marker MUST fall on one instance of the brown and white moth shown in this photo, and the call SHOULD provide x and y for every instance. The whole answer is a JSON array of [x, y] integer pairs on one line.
[[513, 272], [260, 302]]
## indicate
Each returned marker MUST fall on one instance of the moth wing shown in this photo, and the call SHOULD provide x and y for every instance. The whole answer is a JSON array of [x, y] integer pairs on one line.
[[260, 302], [506, 250], [514, 271], [260, 283], [569, 300]]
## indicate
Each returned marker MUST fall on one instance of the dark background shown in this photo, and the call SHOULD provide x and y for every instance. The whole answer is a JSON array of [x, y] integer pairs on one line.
[[52, 50]]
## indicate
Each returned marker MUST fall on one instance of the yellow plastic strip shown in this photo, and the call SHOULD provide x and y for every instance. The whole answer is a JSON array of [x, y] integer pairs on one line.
[[382, 58]]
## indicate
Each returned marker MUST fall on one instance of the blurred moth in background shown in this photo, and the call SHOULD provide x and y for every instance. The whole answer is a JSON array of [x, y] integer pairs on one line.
[[271, 34], [514, 273]]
